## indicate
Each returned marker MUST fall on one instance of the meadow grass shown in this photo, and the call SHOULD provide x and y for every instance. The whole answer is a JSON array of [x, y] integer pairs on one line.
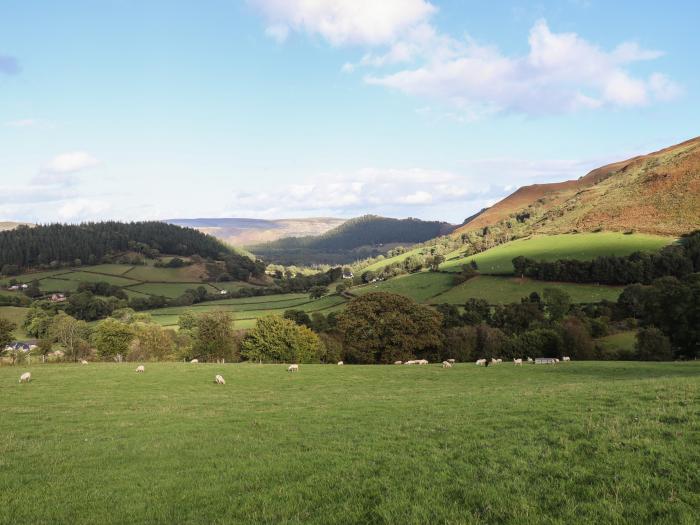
[[58, 285], [581, 246], [622, 340], [171, 290], [418, 286], [503, 290], [17, 315], [153, 274], [91, 277], [585, 442]]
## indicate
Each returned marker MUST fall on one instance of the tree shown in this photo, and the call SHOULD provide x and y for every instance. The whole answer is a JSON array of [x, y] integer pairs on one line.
[[653, 345], [72, 334], [213, 337], [557, 303], [7, 329], [151, 342], [435, 261], [37, 322], [278, 340], [32, 290], [112, 338], [382, 327], [316, 292], [577, 341], [300, 317], [460, 343]]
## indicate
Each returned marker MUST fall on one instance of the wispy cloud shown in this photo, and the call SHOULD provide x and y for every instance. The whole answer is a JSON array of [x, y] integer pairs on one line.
[[562, 72]]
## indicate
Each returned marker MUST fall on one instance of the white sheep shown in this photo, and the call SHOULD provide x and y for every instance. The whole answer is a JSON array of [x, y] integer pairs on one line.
[[25, 378], [518, 362], [556, 360], [481, 362], [422, 362], [446, 364], [83, 362], [566, 358], [453, 361], [530, 360], [410, 362], [340, 363], [293, 368], [398, 362], [219, 380], [195, 361], [140, 369]]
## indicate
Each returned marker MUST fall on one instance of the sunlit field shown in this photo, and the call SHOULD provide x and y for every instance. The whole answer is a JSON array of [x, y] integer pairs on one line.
[[582, 442]]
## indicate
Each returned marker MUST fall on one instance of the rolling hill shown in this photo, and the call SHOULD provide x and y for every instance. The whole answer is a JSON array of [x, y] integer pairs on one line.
[[11, 225], [658, 193], [243, 232], [355, 239]]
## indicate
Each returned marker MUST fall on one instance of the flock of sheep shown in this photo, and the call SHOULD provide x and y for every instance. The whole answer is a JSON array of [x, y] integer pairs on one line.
[[219, 379]]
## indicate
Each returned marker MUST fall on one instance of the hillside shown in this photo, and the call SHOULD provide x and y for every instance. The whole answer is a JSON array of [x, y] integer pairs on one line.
[[357, 238], [658, 193], [243, 232], [11, 225]]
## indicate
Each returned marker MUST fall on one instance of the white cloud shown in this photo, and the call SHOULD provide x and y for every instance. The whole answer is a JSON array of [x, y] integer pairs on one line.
[[71, 162], [81, 209], [562, 72], [362, 22]]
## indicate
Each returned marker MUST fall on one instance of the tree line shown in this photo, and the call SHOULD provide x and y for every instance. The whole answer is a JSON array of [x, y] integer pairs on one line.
[[640, 267]]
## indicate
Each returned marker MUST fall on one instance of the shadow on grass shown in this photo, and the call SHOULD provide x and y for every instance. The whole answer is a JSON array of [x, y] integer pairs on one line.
[[632, 370]]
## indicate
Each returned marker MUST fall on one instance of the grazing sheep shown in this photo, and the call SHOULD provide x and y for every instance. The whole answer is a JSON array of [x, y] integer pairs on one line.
[[293, 368], [340, 363], [530, 360], [453, 361], [518, 362], [25, 378], [83, 362], [556, 360], [411, 362], [446, 364], [422, 362], [496, 361], [566, 358], [481, 362], [195, 361], [398, 362], [219, 380], [140, 369]]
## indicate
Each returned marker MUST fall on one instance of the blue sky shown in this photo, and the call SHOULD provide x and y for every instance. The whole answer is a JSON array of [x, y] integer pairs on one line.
[[291, 108]]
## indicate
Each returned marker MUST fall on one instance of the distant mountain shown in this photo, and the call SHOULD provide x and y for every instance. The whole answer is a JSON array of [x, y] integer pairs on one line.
[[357, 238], [11, 225], [243, 232], [656, 193]]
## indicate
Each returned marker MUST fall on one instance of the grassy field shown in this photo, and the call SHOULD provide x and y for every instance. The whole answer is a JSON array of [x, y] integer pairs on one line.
[[418, 286], [621, 340], [17, 316], [503, 289], [582, 246], [578, 443]]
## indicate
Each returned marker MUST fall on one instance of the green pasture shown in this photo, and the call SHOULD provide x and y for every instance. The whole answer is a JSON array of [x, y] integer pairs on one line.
[[16, 315], [585, 442], [621, 340], [503, 289], [153, 274], [418, 286], [581, 246], [171, 290]]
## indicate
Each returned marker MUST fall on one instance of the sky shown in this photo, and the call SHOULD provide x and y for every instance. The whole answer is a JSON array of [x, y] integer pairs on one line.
[[126, 109]]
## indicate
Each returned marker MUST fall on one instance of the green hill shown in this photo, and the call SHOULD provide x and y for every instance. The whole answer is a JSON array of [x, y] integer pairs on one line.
[[357, 238]]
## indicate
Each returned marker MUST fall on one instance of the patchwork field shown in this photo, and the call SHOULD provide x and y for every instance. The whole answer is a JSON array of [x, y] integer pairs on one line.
[[581, 246], [17, 316], [578, 443], [504, 289], [418, 286]]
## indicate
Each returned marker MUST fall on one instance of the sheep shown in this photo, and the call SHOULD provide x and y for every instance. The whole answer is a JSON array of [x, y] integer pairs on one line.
[[446, 364], [530, 360], [410, 362], [219, 380], [293, 368], [422, 362], [481, 362], [565, 358], [496, 361], [556, 360], [340, 363], [25, 378], [398, 362], [195, 361], [140, 369], [83, 362], [453, 361], [518, 362]]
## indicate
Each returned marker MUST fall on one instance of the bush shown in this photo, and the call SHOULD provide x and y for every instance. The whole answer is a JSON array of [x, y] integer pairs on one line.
[[278, 340], [653, 345]]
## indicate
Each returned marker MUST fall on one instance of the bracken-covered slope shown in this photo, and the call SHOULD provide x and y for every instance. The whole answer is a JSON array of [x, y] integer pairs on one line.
[[655, 193]]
